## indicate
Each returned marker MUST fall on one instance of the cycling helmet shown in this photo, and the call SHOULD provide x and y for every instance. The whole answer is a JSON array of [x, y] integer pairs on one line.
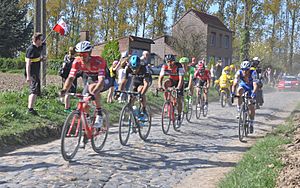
[[231, 66], [226, 68], [245, 65], [84, 46], [169, 57], [134, 62], [184, 60]]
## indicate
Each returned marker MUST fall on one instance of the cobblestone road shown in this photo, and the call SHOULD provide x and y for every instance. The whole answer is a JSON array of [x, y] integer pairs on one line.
[[163, 161]]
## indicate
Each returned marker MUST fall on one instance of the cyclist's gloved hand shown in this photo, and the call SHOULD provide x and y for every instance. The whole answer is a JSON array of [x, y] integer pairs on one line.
[[232, 94], [253, 95], [92, 97]]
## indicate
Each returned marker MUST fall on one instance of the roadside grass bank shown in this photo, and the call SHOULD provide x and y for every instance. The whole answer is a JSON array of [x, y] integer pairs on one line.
[[260, 166]]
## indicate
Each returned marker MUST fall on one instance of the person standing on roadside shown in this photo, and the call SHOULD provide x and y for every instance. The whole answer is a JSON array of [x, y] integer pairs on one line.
[[32, 70], [64, 73]]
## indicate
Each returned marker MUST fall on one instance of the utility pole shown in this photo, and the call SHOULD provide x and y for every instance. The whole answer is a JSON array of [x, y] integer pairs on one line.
[[40, 26]]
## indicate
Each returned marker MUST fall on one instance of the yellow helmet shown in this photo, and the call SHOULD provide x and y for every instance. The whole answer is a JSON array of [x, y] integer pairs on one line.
[[232, 66], [226, 68]]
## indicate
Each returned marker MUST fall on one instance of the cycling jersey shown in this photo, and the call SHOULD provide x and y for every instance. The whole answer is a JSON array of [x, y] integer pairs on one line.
[[138, 77], [204, 77], [174, 72], [97, 67], [246, 82], [190, 71]]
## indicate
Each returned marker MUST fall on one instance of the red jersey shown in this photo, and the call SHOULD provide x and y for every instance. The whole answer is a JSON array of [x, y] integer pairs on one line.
[[97, 66], [204, 77], [174, 72]]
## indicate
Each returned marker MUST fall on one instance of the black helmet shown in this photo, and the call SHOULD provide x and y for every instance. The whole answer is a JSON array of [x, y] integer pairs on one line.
[[169, 57]]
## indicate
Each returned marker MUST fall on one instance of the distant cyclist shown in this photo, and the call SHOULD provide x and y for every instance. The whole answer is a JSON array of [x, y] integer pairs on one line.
[[246, 79], [188, 74], [175, 71], [259, 92], [141, 81], [202, 78], [98, 79]]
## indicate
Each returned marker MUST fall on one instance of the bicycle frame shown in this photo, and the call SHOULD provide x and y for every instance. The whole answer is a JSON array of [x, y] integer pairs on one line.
[[84, 100]]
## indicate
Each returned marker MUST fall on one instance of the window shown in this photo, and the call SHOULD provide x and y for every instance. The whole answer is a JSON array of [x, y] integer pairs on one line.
[[226, 41], [220, 42], [213, 39]]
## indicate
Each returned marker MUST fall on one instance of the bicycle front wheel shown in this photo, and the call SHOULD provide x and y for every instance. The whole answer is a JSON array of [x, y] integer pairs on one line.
[[223, 99], [166, 116], [145, 126], [100, 134], [242, 124], [71, 135], [199, 105], [204, 110], [126, 122], [189, 113]]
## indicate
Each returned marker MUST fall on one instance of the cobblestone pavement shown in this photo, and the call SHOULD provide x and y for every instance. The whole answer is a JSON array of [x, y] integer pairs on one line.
[[163, 161]]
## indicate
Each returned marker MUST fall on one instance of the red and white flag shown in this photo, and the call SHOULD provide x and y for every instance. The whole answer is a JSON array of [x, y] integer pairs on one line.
[[61, 27]]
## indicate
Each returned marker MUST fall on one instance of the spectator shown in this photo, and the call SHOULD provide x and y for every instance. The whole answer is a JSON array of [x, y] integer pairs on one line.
[[32, 70], [218, 69], [113, 75], [64, 73], [212, 74], [145, 58], [121, 76]]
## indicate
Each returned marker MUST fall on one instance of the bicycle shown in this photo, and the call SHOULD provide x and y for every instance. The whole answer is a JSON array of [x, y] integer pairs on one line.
[[187, 105], [244, 117], [168, 113], [200, 103], [129, 119], [224, 97], [77, 123]]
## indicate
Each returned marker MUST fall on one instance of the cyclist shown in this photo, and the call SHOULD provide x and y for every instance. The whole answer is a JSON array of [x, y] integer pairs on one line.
[[255, 66], [246, 79], [176, 73], [141, 81], [97, 73], [189, 72], [224, 81], [202, 78], [231, 71]]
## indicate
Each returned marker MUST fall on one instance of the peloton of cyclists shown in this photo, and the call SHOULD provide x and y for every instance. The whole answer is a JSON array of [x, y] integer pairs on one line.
[[96, 72], [175, 71], [246, 80], [202, 78], [141, 81]]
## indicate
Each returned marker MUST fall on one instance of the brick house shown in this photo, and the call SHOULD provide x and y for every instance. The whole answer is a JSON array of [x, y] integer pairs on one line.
[[134, 45], [208, 32]]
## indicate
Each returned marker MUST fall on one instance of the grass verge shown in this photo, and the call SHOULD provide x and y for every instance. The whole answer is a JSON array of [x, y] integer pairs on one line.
[[261, 165]]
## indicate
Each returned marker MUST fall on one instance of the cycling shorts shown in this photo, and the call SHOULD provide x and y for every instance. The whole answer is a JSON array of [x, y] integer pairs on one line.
[[174, 83]]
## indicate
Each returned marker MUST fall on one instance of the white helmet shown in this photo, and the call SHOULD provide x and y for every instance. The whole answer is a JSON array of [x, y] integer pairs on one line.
[[84, 46], [245, 65], [256, 59]]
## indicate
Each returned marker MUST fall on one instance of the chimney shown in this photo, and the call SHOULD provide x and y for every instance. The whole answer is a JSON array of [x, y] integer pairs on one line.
[[84, 36]]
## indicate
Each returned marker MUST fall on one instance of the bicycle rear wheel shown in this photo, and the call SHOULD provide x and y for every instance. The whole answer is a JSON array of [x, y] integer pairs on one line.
[[145, 126], [189, 113], [223, 99], [100, 134], [166, 114], [126, 122], [71, 135], [199, 104]]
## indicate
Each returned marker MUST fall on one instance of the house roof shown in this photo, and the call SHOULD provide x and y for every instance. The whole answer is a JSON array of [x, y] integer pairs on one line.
[[132, 38], [207, 19]]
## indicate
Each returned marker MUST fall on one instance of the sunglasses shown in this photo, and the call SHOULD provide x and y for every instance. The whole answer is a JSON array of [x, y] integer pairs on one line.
[[83, 54], [245, 69]]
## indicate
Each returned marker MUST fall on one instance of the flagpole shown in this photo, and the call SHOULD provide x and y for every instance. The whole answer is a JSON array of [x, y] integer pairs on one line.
[[47, 36]]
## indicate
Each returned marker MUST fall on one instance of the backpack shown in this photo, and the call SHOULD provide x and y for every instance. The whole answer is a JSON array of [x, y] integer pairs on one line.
[[64, 71]]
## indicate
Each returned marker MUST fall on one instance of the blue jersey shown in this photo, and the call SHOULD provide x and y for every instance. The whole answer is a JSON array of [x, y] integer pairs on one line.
[[244, 82]]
